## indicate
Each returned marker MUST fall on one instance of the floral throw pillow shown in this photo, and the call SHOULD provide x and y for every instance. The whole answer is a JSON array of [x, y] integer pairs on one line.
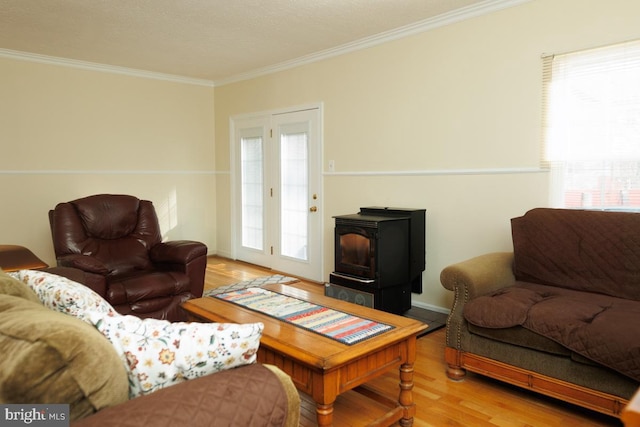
[[158, 353], [64, 295]]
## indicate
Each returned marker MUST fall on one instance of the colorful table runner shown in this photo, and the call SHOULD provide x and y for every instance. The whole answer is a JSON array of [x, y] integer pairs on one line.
[[343, 327]]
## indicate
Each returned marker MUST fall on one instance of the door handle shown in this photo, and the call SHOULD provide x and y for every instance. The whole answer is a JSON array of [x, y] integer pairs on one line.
[[313, 209]]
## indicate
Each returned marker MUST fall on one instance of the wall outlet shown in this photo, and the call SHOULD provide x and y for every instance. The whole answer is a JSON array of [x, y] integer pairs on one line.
[[332, 165]]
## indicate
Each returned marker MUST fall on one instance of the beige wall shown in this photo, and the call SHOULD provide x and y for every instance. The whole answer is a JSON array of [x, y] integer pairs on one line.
[[407, 120], [407, 123], [68, 132]]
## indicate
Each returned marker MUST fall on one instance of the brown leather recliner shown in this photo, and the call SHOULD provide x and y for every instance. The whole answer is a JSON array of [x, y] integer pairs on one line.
[[115, 240]]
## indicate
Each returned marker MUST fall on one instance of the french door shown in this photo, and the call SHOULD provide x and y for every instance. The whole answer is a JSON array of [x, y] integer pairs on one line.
[[276, 174]]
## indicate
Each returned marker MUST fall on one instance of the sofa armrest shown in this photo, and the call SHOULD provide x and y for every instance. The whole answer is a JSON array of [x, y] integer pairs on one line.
[[247, 395], [469, 279], [14, 257], [480, 275]]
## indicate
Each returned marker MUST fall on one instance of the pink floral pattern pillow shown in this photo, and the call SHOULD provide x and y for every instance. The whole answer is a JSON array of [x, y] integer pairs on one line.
[[64, 295], [158, 353]]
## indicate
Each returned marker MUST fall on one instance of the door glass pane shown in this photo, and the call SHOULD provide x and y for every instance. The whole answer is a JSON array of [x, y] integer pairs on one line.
[[294, 202], [252, 193]]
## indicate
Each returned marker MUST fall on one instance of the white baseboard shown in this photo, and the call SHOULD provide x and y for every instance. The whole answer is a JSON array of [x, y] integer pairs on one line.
[[430, 307], [222, 254]]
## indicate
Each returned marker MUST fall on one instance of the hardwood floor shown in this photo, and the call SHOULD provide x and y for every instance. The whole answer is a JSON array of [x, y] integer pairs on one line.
[[475, 401]]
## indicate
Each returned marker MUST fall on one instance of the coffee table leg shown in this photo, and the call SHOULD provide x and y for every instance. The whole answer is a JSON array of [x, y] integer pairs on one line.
[[324, 414], [325, 390], [406, 394]]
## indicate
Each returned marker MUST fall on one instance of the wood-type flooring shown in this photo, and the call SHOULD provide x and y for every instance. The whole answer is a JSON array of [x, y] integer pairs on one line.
[[475, 401]]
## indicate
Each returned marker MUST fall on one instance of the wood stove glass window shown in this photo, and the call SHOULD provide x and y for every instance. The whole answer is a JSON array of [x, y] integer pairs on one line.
[[355, 250], [356, 255]]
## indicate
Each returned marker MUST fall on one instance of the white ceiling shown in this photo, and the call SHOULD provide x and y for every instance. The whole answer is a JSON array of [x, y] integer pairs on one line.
[[212, 40]]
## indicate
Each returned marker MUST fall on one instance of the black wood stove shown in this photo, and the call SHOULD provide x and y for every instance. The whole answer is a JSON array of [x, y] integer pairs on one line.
[[379, 257]]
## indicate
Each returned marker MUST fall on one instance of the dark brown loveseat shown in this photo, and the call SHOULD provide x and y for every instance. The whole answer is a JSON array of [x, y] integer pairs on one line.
[[560, 315]]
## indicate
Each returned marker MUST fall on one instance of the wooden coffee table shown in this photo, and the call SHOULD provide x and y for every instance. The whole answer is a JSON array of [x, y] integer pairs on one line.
[[322, 367]]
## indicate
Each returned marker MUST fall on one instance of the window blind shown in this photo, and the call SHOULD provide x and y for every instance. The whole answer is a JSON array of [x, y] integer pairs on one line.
[[591, 126]]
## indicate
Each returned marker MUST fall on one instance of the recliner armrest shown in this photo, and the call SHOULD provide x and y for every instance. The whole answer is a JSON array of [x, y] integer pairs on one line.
[[95, 282], [177, 251], [83, 262], [187, 256]]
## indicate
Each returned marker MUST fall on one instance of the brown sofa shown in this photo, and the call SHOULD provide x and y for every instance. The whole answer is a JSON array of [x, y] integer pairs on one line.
[[558, 315], [115, 241], [52, 357]]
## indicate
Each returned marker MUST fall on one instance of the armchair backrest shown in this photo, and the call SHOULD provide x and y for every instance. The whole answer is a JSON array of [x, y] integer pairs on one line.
[[118, 230]]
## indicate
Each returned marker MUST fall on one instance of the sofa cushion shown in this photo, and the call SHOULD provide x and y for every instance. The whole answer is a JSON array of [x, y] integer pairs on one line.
[[504, 308], [56, 358], [589, 324], [61, 294], [159, 353], [522, 337], [9, 285], [592, 326], [592, 251]]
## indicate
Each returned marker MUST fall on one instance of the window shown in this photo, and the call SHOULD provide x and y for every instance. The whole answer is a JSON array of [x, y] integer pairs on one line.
[[591, 127]]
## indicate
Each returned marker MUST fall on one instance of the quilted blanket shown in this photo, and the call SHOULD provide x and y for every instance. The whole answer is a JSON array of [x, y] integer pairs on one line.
[[599, 327], [247, 396], [577, 282], [591, 251]]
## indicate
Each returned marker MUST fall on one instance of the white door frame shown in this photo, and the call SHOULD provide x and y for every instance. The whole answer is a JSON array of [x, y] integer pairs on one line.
[[315, 273]]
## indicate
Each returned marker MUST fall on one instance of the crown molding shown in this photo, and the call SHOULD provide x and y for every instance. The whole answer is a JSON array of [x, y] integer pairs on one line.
[[459, 15], [92, 66], [439, 21]]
